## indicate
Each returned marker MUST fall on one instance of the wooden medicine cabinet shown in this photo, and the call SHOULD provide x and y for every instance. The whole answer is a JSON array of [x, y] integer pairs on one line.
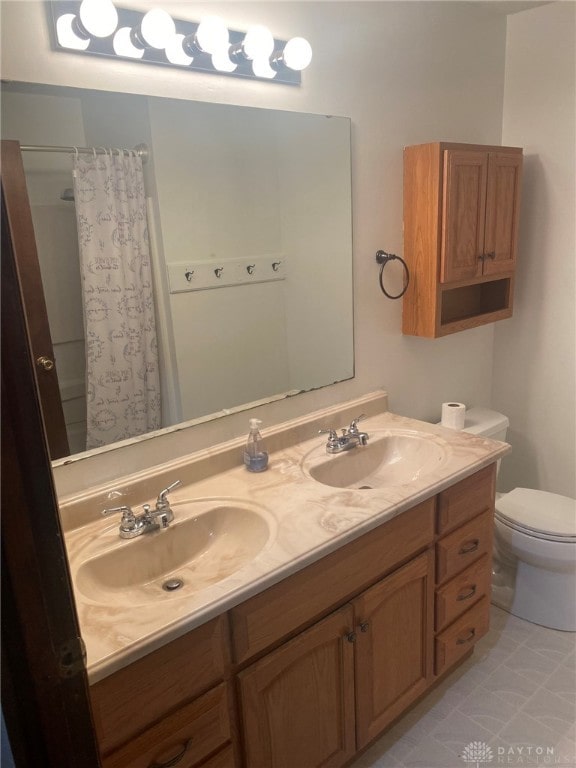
[[461, 211]]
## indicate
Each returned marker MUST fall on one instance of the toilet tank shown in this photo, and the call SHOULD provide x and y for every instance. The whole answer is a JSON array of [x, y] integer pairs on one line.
[[486, 423]]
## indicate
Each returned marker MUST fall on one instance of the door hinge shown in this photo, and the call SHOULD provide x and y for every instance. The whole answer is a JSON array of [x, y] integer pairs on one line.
[[72, 657]]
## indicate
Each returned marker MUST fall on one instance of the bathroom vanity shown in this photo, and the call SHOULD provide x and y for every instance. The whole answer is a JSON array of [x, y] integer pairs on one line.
[[359, 601]]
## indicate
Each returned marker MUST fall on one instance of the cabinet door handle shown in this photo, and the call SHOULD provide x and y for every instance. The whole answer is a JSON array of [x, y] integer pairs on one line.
[[351, 637], [491, 255], [482, 257], [470, 546], [467, 595], [173, 761], [470, 636], [364, 626]]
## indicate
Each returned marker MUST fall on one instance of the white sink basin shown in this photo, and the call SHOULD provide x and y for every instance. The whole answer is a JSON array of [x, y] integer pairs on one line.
[[208, 541], [391, 457]]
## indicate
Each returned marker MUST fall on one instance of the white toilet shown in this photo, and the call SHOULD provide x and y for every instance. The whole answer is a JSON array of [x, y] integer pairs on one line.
[[534, 572]]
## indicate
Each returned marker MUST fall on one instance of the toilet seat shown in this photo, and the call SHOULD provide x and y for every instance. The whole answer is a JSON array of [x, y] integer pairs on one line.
[[539, 514]]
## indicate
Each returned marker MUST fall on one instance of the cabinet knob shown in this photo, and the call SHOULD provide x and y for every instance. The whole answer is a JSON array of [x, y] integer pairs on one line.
[[470, 636], [470, 546], [351, 637], [482, 257], [491, 255], [467, 595], [173, 761], [364, 626], [45, 363]]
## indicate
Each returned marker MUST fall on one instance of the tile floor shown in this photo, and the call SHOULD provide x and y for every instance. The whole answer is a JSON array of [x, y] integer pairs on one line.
[[515, 698]]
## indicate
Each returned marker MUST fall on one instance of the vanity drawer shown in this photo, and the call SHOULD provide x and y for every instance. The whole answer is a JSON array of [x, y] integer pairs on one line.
[[288, 606], [183, 738], [130, 700], [462, 592], [460, 636], [466, 499], [464, 546], [224, 759]]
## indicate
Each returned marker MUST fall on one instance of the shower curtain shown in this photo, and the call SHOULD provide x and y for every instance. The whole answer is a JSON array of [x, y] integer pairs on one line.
[[122, 377]]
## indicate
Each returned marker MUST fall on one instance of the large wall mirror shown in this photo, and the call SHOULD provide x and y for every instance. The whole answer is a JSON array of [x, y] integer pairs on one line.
[[227, 188]]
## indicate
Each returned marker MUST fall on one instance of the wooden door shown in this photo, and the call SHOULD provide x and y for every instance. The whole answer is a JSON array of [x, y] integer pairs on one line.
[[463, 215], [21, 231], [298, 701], [394, 647], [44, 682], [502, 212]]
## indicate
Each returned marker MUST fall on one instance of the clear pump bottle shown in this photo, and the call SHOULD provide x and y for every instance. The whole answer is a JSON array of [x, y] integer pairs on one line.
[[255, 453]]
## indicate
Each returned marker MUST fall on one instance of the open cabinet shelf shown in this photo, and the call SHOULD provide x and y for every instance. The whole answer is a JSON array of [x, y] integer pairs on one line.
[[477, 304]]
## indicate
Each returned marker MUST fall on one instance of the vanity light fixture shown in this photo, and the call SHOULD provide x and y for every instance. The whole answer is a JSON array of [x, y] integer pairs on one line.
[[99, 28]]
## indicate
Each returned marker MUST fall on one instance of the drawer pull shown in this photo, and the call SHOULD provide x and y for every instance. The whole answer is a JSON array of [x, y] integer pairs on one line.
[[471, 546], [175, 760], [470, 636], [467, 595]]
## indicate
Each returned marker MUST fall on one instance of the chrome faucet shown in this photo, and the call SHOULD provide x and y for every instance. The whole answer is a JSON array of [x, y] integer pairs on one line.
[[350, 437], [132, 525]]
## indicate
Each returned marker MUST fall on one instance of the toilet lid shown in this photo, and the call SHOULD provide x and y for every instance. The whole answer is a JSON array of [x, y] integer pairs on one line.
[[547, 515]]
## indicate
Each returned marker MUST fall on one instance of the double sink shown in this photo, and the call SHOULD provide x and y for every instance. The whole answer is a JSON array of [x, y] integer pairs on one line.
[[212, 538]]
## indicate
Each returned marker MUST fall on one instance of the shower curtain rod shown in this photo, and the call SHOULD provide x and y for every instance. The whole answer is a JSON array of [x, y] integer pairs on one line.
[[140, 149]]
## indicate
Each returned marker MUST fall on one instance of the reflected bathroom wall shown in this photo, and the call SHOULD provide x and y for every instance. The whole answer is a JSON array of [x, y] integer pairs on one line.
[[223, 183]]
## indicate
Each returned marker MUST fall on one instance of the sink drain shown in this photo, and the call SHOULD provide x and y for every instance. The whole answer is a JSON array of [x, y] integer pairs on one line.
[[172, 585]]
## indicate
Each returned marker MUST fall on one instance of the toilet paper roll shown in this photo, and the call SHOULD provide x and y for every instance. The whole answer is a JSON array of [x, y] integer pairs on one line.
[[453, 415]]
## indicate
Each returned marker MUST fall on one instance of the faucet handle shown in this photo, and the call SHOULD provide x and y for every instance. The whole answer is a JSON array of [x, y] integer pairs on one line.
[[126, 512], [128, 524], [333, 439], [353, 428], [163, 494]]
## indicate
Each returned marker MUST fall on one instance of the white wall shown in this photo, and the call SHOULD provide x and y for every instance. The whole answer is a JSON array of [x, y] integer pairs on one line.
[[534, 372], [405, 73]]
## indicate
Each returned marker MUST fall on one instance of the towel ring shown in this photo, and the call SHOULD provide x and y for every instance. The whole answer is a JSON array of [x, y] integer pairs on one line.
[[383, 258]]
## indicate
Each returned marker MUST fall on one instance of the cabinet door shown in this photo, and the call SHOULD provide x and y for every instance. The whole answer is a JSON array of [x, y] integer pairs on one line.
[[502, 212], [463, 215], [394, 646], [298, 701]]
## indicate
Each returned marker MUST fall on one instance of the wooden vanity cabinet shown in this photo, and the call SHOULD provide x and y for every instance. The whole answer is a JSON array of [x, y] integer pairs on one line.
[[461, 214], [393, 652], [465, 522], [322, 695], [316, 667], [172, 702]]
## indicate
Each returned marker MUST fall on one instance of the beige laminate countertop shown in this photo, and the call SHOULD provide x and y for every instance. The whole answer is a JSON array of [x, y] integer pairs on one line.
[[307, 520]]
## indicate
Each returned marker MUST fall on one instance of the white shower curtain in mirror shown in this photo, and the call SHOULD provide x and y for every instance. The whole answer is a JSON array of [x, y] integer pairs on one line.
[[122, 378]]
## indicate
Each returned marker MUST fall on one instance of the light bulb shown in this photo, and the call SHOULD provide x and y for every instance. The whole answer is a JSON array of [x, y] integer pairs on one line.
[[98, 17], [262, 68], [212, 35], [157, 28], [67, 38], [297, 53], [258, 43], [175, 53], [222, 62], [123, 45]]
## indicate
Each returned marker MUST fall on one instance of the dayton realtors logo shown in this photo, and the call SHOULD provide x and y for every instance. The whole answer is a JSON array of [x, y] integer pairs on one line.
[[478, 753]]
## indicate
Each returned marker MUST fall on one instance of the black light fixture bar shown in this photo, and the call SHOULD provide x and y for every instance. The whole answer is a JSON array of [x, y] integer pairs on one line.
[[201, 62]]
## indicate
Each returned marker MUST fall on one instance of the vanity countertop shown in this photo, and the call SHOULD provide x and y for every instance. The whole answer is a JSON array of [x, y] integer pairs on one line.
[[307, 521]]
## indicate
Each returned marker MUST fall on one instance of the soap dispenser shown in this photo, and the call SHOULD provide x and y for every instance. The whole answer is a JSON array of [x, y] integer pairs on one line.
[[255, 454]]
